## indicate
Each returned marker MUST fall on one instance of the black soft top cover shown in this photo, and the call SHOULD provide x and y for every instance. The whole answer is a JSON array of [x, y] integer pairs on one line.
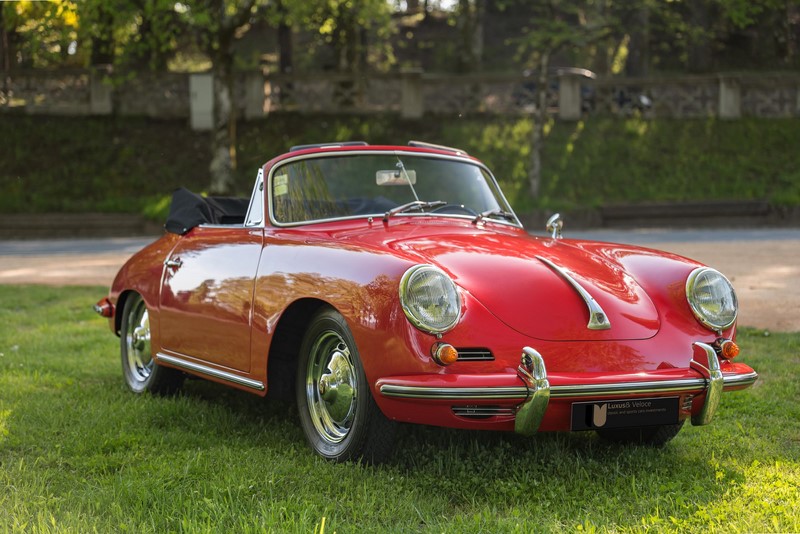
[[188, 210]]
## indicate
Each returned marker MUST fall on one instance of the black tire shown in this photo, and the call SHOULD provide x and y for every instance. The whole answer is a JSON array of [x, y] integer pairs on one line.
[[141, 372], [337, 412], [654, 436]]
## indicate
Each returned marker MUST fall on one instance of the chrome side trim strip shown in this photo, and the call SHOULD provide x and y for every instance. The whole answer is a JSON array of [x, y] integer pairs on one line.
[[598, 320], [480, 412], [420, 392], [740, 380], [210, 371], [686, 385], [624, 388]]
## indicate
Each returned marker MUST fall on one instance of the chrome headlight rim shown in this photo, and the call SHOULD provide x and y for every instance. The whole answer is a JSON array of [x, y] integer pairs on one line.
[[409, 312], [698, 312]]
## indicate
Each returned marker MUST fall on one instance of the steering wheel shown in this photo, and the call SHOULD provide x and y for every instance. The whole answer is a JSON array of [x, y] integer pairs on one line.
[[457, 209]]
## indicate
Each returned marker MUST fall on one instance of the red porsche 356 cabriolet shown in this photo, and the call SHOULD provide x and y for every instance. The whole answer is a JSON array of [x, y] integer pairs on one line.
[[385, 284]]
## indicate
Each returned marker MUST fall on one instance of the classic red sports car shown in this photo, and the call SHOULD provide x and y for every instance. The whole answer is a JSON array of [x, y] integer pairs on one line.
[[380, 284]]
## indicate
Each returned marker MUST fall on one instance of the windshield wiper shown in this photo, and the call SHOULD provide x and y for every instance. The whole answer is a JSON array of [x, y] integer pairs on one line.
[[503, 214], [416, 204]]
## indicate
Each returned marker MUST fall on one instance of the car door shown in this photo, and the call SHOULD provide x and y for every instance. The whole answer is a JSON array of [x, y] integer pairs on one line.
[[207, 295], [206, 302]]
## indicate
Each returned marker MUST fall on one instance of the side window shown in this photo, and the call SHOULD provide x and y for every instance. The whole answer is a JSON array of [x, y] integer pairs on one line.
[[255, 213]]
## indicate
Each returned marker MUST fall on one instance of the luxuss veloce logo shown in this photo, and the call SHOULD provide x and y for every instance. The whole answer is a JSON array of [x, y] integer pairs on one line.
[[599, 414]]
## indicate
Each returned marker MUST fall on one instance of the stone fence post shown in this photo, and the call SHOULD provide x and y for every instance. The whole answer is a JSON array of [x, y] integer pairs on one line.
[[100, 94], [253, 95], [201, 101], [569, 96], [412, 105], [730, 98]]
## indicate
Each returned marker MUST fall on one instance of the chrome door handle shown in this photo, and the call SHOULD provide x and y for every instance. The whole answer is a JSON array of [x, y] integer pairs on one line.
[[173, 264]]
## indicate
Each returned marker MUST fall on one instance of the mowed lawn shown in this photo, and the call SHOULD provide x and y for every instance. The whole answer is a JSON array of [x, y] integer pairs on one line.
[[79, 453]]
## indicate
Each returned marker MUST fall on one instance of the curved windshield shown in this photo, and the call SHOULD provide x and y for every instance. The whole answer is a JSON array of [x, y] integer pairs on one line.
[[356, 185]]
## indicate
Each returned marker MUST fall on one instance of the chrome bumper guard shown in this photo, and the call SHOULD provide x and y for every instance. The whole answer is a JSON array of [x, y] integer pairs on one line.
[[532, 371], [715, 383], [536, 393]]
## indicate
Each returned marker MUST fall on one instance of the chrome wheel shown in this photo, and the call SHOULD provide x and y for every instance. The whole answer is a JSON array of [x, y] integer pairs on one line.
[[141, 372], [337, 412], [331, 387], [137, 340]]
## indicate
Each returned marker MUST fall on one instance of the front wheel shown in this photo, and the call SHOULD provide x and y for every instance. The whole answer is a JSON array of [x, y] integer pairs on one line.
[[337, 412], [141, 372], [654, 436]]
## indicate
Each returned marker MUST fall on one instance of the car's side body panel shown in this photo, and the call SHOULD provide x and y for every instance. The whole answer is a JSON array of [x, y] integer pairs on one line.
[[205, 308], [142, 273]]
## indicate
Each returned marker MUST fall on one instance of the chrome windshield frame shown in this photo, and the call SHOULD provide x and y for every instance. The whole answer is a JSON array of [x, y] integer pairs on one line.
[[398, 153]]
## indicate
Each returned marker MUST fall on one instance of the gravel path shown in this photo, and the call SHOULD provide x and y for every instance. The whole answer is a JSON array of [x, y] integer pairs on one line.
[[764, 266]]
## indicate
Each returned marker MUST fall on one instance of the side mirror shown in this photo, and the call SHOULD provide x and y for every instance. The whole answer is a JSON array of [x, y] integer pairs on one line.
[[554, 225]]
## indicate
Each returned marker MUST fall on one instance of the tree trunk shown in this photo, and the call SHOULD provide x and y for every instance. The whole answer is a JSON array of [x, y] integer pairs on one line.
[[350, 48], [285, 54], [699, 57], [285, 48], [103, 42], [477, 34], [639, 44], [3, 40], [223, 140], [470, 25], [219, 40], [540, 116], [5, 61], [790, 26]]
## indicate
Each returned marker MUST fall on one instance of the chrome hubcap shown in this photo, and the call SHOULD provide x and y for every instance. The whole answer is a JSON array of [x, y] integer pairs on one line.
[[137, 341], [331, 387]]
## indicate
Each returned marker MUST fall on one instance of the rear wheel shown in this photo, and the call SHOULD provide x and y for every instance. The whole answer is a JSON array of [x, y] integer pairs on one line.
[[141, 372], [655, 436], [337, 412]]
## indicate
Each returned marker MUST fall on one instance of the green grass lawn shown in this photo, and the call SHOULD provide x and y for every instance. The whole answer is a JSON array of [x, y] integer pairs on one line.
[[79, 453]]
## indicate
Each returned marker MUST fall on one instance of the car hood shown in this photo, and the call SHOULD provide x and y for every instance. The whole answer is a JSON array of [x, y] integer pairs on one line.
[[530, 284]]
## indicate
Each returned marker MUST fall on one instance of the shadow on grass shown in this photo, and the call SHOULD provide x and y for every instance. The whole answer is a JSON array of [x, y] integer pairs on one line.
[[468, 468]]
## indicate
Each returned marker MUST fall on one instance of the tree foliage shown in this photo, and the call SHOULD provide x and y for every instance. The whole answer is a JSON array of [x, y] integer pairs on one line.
[[42, 34], [556, 25], [351, 37]]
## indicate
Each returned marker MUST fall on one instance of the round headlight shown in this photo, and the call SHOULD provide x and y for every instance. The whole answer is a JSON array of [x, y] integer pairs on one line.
[[711, 298], [430, 299]]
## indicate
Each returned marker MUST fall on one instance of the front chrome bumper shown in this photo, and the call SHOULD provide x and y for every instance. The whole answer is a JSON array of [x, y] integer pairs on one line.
[[536, 392]]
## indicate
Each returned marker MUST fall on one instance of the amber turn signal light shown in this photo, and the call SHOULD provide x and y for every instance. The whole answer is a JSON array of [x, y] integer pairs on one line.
[[444, 354], [729, 350]]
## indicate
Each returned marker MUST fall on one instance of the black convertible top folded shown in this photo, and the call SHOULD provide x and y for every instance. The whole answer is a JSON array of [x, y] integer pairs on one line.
[[188, 210]]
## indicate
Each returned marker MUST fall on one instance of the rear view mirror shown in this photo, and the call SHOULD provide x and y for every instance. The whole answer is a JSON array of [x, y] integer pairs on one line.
[[396, 177]]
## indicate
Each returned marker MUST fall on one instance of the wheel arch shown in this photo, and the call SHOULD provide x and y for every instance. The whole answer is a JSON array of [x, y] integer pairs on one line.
[[285, 346], [121, 300]]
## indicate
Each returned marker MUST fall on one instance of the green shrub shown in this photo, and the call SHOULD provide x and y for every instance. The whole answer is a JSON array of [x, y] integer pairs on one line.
[[56, 164]]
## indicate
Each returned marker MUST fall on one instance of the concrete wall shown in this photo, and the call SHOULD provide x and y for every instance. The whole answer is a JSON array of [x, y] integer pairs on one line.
[[412, 94]]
